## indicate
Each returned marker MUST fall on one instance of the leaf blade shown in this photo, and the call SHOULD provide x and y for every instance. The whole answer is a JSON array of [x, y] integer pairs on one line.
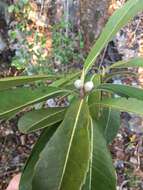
[[39, 119], [10, 82], [12, 101], [135, 62], [130, 105], [26, 178], [95, 95], [101, 171], [71, 143], [123, 90], [65, 80], [109, 123]]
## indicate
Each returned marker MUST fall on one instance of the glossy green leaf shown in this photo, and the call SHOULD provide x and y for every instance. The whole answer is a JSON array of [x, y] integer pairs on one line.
[[63, 163], [39, 119], [11, 101], [101, 173], [122, 104], [109, 124], [27, 174], [135, 62], [10, 82], [119, 18], [95, 95], [123, 90]]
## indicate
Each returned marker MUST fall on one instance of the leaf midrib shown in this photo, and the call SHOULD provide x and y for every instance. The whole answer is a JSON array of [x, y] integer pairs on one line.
[[108, 37], [90, 184], [31, 102], [45, 118], [70, 143]]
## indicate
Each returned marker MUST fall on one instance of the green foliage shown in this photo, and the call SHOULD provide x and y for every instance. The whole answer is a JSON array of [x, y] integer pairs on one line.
[[122, 104], [26, 97], [10, 82], [30, 54], [101, 174], [123, 90], [72, 151], [137, 62], [71, 165], [95, 95], [27, 175], [39, 119], [34, 57], [109, 123], [66, 48]]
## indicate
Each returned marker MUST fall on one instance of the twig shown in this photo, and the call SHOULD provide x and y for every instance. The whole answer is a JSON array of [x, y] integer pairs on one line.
[[103, 56]]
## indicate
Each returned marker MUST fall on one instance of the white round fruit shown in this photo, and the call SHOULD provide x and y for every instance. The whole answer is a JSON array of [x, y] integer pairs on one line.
[[88, 86], [78, 84]]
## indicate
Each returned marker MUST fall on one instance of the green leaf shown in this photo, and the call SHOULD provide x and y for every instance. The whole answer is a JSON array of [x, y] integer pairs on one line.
[[101, 173], [123, 90], [10, 82], [95, 95], [66, 79], [27, 174], [122, 104], [120, 18], [63, 163], [123, 73], [39, 119], [11, 101], [135, 62], [109, 123]]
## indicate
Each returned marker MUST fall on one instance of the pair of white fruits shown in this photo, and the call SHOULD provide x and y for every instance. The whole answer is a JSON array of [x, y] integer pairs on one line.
[[88, 86]]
